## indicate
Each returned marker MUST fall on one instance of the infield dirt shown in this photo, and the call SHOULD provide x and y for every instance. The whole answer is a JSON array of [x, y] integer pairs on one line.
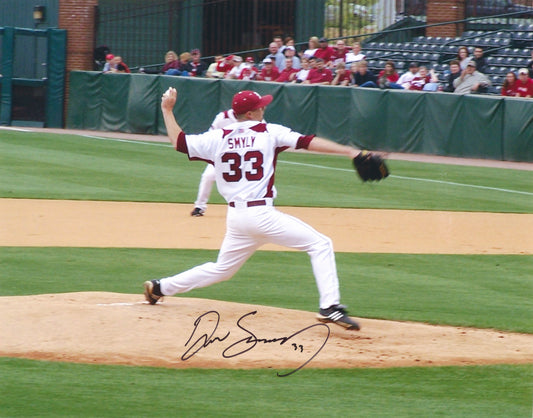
[[120, 329]]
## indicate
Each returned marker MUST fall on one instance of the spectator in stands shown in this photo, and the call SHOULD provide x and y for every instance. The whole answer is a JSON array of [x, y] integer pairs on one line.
[[212, 69], [99, 55], [509, 84], [290, 52], [481, 61], [388, 77], [455, 72], [312, 62], [354, 66], [301, 75], [405, 78], [275, 55], [529, 65], [175, 65], [524, 85], [107, 65], [320, 74], [340, 52], [249, 71], [238, 66], [424, 80], [326, 52], [288, 74], [171, 63], [196, 67], [471, 81], [342, 75], [185, 57], [279, 42], [363, 77], [269, 72], [355, 55], [289, 41], [224, 66], [312, 47], [463, 56], [119, 66]]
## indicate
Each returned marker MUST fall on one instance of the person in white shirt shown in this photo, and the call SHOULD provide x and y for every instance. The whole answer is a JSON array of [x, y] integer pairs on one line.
[[406, 78], [312, 47], [237, 68], [301, 75], [222, 119], [355, 55]]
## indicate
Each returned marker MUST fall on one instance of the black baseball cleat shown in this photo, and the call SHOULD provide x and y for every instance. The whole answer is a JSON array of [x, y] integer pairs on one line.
[[337, 315], [197, 212], [152, 291]]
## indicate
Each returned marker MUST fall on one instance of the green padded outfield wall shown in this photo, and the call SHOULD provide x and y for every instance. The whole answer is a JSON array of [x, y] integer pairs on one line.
[[471, 126]]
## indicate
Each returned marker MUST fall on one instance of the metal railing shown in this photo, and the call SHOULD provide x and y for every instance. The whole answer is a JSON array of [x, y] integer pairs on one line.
[[143, 32]]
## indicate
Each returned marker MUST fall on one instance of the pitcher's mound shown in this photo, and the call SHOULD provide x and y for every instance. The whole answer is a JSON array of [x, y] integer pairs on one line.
[[111, 328]]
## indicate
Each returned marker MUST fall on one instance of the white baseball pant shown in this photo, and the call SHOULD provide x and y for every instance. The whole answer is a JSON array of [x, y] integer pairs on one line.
[[206, 185], [247, 229]]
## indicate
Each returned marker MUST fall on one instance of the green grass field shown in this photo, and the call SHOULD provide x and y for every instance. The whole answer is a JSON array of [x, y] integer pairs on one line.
[[36, 165], [472, 290]]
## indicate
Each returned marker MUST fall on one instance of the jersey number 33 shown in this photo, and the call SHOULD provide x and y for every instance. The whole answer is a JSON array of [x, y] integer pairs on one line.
[[235, 161]]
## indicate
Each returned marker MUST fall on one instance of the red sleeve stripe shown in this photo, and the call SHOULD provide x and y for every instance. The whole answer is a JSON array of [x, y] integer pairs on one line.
[[304, 141], [181, 145]]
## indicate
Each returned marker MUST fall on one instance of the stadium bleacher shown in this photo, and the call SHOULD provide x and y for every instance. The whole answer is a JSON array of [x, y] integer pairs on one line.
[[505, 50]]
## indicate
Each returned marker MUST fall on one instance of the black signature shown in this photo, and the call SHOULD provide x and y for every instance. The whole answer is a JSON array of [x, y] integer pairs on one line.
[[237, 348]]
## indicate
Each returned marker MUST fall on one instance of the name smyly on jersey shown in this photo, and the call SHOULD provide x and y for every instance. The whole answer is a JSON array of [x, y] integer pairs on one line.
[[241, 142]]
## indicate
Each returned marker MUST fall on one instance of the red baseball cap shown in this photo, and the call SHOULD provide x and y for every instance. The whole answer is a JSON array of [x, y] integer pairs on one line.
[[247, 100]]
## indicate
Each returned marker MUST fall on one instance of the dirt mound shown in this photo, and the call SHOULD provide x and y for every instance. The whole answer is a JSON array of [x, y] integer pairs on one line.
[[110, 328], [183, 332]]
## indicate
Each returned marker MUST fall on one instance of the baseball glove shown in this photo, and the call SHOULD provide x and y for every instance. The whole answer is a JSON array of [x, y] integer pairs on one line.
[[370, 166]]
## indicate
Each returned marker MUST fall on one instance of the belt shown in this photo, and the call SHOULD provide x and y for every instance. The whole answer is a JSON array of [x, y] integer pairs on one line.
[[251, 203]]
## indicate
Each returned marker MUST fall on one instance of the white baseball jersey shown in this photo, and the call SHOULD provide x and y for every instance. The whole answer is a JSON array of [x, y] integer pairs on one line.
[[244, 155]]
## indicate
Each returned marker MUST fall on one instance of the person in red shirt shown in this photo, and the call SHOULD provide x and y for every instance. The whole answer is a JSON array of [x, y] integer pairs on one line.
[[250, 71], [524, 85], [424, 81], [388, 77], [225, 65], [340, 52], [288, 74], [325, 52], [509, 85], [269, 72], [342, 76], [119, 66], [320, 74]]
